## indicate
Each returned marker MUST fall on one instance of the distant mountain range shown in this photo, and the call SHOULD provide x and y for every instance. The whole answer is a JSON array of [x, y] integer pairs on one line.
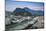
[[29, 12], [33, 12]]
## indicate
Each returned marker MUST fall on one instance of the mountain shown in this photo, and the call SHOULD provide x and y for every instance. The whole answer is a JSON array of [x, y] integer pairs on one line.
[[29, 11], [25, 12], [22, 12], [34, 12]]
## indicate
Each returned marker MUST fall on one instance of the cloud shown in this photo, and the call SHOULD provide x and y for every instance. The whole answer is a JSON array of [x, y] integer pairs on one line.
[[32, 7], [36, 8], [11, 6]]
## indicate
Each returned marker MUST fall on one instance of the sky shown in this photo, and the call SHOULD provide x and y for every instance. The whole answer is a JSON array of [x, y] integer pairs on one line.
[[29, 0], [12, 5]]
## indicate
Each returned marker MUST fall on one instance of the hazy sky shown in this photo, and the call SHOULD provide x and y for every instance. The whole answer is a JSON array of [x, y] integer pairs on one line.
[[11, 5]]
